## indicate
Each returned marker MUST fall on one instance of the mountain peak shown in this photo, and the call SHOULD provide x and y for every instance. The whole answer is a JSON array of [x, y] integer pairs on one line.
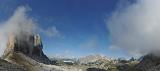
[[30, 45]]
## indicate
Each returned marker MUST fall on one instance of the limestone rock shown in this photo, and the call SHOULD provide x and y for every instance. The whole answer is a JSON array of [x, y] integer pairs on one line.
[[30, 45]]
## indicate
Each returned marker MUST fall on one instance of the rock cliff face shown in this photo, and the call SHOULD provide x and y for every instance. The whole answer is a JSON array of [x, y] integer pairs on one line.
[[30, 45]]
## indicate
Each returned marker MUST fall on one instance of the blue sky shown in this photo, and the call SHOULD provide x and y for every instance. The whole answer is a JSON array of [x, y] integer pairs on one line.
[[81, 25]]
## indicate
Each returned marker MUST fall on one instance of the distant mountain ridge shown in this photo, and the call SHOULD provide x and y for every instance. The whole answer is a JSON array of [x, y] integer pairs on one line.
[[93, 58]]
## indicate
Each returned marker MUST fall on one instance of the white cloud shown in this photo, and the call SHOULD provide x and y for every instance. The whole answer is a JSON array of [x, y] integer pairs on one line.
[[21, 24], [51, 32], [136, 27], [17, 23]]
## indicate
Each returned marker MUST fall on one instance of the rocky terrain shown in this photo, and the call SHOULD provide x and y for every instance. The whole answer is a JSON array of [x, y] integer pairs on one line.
[[26, 54], [149, 62], [6, 66]]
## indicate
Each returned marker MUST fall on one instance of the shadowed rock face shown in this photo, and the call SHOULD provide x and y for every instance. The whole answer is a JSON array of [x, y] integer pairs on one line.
[[30, 45]]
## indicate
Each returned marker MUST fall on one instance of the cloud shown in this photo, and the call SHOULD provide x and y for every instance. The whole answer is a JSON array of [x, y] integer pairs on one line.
[[51, 32], [20, 24], [91, 43], [17, 23], [135, 28]]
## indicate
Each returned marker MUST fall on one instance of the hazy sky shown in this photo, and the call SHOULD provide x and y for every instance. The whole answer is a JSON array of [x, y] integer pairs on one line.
[[79, 26]]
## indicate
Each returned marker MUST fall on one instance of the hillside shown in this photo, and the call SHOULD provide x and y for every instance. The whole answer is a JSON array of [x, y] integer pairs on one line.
[[6, 66], [149, 62]]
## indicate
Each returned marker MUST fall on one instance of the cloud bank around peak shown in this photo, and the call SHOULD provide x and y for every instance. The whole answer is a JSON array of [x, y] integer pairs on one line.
[[20, 22], [135, 28]]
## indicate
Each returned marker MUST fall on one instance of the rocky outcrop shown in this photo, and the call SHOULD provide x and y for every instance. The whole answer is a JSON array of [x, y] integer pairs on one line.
[[149, 62], [6, 66], [30, 45]]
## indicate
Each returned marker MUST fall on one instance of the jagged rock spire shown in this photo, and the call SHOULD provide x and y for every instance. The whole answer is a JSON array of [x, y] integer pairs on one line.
[[30, 45]]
